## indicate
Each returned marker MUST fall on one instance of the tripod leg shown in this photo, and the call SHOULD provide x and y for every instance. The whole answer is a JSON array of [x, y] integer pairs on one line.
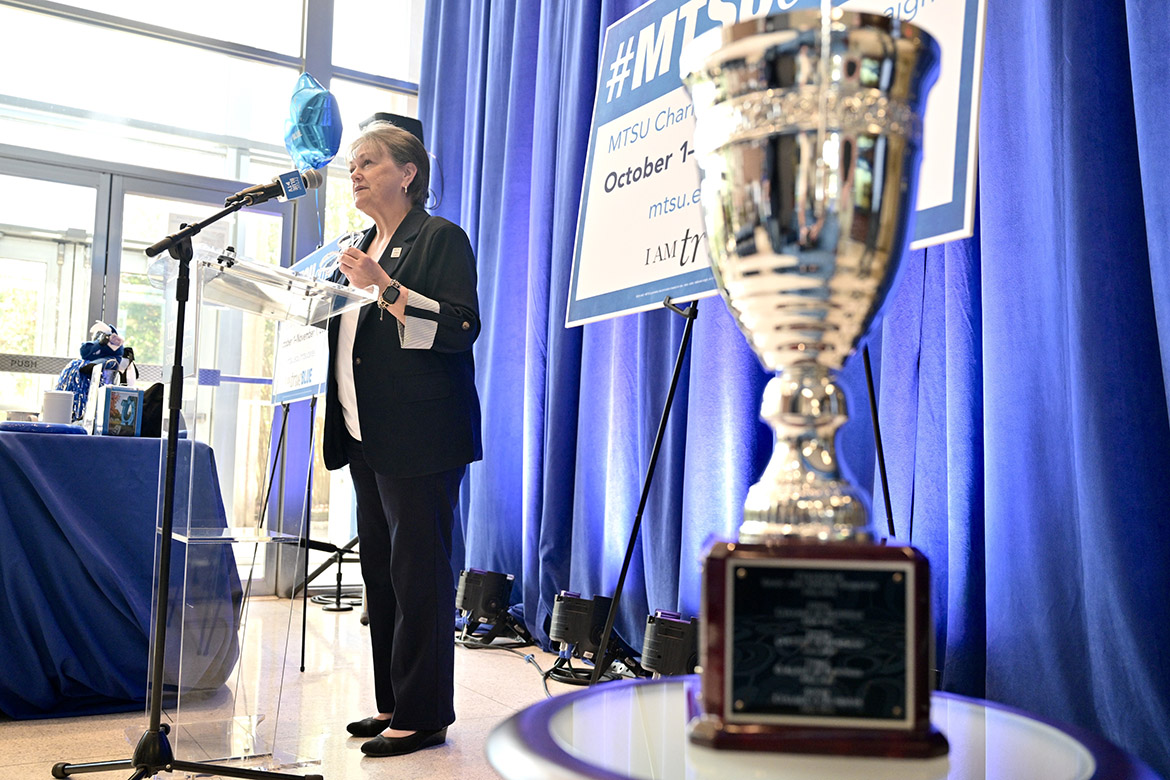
[[517, 628], [492, 633], [234, 771], [64, 769]]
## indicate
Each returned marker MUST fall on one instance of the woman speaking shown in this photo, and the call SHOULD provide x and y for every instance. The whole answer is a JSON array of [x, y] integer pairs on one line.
[[402, 411]]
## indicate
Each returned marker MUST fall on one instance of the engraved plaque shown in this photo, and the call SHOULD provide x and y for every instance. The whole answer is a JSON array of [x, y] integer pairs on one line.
[[815, 642], [818, 648]]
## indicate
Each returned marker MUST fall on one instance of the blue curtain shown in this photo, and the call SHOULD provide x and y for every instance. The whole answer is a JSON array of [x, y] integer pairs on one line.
[[569, 426], [1021, 373]]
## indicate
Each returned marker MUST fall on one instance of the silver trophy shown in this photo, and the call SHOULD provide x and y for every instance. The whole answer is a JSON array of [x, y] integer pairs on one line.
[[809, 165]]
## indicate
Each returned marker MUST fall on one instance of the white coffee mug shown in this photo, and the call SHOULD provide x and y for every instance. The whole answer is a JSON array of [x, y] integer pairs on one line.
[[57, 406]]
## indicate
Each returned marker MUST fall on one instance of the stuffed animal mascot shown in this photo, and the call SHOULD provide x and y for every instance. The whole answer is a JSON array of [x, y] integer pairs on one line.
[[105, 351]]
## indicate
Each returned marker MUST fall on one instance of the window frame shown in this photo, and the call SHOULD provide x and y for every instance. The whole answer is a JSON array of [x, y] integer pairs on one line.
[[302, 226]]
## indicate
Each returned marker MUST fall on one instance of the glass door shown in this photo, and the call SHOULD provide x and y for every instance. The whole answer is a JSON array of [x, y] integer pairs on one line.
[[52, 257], [72, 237]]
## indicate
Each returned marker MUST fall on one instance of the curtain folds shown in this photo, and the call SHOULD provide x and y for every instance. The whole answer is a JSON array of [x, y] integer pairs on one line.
[[1077, 450], [1021, 373], [557, 493]]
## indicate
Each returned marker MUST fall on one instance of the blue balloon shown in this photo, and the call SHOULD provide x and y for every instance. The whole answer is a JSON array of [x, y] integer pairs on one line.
[[312, 133]]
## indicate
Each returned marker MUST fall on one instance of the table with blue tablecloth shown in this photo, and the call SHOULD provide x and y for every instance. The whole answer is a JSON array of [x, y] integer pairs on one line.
[[78, 518]]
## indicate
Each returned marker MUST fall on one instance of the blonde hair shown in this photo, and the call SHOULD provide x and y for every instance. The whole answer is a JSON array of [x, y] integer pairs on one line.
[[403, 147]]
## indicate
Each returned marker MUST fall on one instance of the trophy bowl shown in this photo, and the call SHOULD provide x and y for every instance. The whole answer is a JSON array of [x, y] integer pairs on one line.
[[809, 165]]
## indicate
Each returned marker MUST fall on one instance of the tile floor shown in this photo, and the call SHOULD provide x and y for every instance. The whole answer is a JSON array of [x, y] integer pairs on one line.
[[309, 709]]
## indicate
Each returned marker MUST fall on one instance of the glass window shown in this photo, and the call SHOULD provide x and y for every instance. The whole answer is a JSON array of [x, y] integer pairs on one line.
[[46, 264], [398, 25], [340, 214], [264, 24], [255, 235], [137, 99], [359, 102], [117, 96]]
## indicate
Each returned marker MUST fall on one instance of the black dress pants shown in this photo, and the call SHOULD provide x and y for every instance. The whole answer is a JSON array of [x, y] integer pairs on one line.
[[404, 532]]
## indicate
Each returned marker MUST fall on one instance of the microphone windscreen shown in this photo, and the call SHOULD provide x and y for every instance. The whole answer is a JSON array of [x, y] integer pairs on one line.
[[313, 179]]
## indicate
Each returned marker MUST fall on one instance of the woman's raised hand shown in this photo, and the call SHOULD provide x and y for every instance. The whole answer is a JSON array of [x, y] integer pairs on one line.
[[362, 270]]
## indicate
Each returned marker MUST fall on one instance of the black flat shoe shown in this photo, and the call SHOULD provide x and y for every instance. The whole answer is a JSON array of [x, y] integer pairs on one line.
[[368, 727], [400, 746]]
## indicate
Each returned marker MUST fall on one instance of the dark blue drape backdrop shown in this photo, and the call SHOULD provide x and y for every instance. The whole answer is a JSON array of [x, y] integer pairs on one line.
[[1021, 373]]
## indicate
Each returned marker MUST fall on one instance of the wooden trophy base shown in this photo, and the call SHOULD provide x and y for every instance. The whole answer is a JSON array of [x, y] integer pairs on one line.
[[811, 647], [710, 731]]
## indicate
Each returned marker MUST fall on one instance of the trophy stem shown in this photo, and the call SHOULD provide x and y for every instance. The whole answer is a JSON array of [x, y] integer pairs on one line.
[[801, 495]]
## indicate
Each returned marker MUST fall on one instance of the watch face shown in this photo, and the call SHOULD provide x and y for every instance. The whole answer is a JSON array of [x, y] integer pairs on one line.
[[390, 295]]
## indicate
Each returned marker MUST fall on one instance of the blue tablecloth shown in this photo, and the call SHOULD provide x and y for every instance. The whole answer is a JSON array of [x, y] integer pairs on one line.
[[77, 541]]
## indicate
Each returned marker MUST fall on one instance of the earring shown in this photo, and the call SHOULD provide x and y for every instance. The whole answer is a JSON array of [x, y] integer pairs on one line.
[[404, 187]]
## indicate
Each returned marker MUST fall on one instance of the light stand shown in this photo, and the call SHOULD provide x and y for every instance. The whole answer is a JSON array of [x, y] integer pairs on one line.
[[690, 313], [881, 455], [153, 753]]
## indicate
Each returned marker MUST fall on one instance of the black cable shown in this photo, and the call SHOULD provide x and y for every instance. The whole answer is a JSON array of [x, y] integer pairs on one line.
[[562, 671], [471, 644], [474, 644], [571, 675], [532, 660]]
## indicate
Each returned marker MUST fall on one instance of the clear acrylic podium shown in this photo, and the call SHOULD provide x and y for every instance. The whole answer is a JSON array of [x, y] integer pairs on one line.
[[212, 698]]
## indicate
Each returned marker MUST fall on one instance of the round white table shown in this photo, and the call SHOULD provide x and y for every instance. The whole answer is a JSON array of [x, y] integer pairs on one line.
[[638, 729]]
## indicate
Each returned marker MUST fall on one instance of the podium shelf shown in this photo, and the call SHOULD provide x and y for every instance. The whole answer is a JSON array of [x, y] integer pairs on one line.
[[232, 534]]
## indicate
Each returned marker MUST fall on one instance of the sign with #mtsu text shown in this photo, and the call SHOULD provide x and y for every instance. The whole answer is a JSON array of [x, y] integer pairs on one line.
[[640, 235]]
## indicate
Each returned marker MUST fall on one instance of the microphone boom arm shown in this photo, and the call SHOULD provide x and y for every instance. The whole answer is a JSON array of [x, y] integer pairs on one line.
[[186, 231]]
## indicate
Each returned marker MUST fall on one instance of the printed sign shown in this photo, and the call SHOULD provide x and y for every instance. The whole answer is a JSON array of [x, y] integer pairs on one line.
[[302, 363], [640, 234]]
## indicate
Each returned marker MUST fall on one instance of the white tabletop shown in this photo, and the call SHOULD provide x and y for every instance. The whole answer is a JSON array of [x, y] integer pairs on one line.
[[638, 729]]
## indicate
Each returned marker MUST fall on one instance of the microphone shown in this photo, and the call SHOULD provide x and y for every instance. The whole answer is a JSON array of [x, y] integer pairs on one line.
[[286, 186]]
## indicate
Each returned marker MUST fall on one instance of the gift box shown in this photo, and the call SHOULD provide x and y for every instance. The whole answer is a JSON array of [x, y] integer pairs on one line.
[[119, 411]]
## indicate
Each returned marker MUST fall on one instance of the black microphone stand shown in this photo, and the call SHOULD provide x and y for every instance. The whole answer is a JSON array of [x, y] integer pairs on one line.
[[338, 602], [153, 753]]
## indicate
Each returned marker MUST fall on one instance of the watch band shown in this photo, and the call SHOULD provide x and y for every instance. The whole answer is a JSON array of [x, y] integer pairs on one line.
[[388, 296]]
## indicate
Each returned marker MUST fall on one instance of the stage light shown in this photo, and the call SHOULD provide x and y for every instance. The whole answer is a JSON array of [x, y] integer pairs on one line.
[[483, 595], [577, 625], [671, 645], [482, 600]]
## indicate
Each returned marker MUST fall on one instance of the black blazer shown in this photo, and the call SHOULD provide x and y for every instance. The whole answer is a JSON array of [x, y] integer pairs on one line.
[[418, 408]]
